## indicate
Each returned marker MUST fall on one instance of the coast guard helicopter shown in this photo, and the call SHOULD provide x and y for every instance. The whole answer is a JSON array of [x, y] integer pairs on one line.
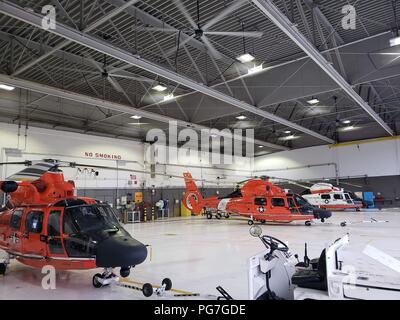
[[44, 223], [256, 199]]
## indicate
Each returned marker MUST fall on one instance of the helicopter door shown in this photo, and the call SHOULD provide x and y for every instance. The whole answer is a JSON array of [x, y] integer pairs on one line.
[[54, 240], [32, 242], [16, 235]]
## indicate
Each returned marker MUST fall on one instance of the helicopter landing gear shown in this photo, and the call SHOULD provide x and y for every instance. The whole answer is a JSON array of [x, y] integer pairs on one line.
[[322, 220], [263, 222], [250, 222], [105, 279], [308, 223], [125, 272], [227, 216], [218, 216], [209, 216]]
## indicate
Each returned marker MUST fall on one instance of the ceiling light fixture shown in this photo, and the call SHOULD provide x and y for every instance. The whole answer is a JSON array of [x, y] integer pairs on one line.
[[6, 87], [136, 117], [245, 58], [394, 41], [241, 117], [349, 128], [346, 121], [313, 101], [169, 97], [256, 69], [288, 132], [160, 88]]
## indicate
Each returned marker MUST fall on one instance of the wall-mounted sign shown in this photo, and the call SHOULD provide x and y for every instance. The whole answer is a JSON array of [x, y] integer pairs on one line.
[[99, 155], [138, 197]]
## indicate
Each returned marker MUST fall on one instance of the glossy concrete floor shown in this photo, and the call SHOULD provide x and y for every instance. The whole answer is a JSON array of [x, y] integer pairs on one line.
[[199, 255]]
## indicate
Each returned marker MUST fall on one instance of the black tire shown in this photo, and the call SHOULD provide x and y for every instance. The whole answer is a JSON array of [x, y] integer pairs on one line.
[[250, 222], [343, 224], [125, 272], [263, 222], [322, 220], [209, 216], [96, 282], [3, 268], [218, 216], [168, 284], [308, 223], [227, 216], [147, 290]]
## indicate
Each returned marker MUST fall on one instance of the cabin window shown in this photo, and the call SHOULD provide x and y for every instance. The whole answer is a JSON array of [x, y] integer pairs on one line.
[[260, 201], [325, 196], [53, 226], [16, 217], [338, 197], [54, 233], [278, 202], [34, 222]]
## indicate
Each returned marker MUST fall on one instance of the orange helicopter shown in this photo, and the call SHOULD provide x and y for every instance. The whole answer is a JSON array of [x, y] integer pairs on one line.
[[44, 223], [257, 199]]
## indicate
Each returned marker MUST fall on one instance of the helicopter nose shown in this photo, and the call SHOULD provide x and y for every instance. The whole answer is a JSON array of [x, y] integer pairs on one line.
[[120, 251], [322, 214]]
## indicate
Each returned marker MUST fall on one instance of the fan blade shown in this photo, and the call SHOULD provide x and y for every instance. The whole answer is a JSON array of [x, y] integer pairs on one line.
[[93, 62], [247, 34], [173, 50], [224, 13], [214, 52], [130, 77], [166, 30], [115, 84], [179, 4]]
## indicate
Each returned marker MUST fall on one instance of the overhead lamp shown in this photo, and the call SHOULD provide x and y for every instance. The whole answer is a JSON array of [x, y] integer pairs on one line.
[[241, 117], [261, 147], [245, 58], [394, 41], [256, 69], [349, 128], [169, 97], [346, 121], [136, 117], [288, 132], [288, 138], [160, 88], [6, 87], [313, 101]]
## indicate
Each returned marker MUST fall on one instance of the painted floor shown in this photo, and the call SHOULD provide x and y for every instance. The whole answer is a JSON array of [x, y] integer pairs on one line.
[[199, 255]]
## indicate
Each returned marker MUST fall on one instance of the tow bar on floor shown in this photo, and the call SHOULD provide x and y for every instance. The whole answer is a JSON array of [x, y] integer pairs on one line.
[[372, 220], [148, 289]]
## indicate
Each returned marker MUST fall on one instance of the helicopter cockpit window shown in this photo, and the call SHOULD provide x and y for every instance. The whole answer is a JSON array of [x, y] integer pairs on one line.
[[15, 222], [34, 222], [90, 218], [278, 202], [260, 201]]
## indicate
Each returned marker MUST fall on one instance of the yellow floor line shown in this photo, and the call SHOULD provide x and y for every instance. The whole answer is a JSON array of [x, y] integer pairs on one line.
[[124, 281]]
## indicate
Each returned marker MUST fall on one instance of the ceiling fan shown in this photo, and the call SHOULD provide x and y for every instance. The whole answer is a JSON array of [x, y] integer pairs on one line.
[[201, 31]]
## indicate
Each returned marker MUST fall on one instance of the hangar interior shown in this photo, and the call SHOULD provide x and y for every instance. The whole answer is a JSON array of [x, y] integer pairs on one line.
[[308, 91]]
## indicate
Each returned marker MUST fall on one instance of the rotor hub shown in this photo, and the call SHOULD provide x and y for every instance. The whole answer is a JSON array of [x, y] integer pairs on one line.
[[199, 33]]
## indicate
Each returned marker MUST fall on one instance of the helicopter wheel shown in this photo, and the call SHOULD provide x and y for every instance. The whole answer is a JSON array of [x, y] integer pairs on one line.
[[96, 283], [147, 290], [322, 220], [125, 272], [250, 222], [308, 223], [343, 224], [263, 222], [209, 216], [3, 268], [218, 216], [227, 216]]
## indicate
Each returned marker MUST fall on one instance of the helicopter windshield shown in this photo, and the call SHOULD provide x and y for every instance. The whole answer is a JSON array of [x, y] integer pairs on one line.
[[90, 218]]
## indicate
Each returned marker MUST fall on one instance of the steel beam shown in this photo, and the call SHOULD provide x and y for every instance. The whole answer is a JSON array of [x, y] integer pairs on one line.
[[88, 41], [84, 99], [268, 8]]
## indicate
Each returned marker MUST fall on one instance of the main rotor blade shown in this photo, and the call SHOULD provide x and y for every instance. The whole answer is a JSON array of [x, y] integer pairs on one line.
[[214, 52], [26, 163], [179, 4], [236, 5], [246, 34]]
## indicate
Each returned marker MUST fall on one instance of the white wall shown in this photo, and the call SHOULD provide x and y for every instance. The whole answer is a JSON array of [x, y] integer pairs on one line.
[[373, 158], [88, 149]]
